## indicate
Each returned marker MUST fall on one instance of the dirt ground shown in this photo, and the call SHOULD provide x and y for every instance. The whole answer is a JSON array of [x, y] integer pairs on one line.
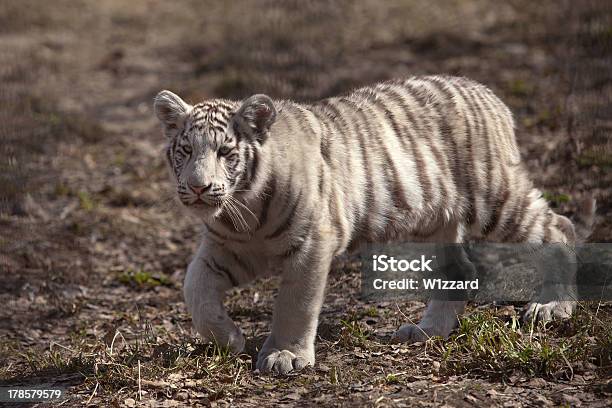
[[93, 246]]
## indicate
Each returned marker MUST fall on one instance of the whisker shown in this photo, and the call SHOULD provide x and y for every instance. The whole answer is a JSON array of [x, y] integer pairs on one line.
[[236, 201], [231, 215], [238, 215], [257, 194]]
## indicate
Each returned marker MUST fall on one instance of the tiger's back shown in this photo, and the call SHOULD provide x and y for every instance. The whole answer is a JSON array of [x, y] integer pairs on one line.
[[403, 158]]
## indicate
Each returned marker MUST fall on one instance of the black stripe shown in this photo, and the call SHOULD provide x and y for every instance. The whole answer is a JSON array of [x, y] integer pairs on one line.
[[289, 119], [321, 175], [348, 131], [173, 150], [399, 194], [227, 221], [410, 118], [215, 235], [424, 180], [215, 267], [529, 227], [342, 129], [269, 191], [294, 248], [417, 94], [363, 224], [444, 171], [427, 186], [516, 217], [169, 156], [221, 236], [520, 219], [288, 221], [325, 136], [254, 165], [217, 125], [335, 215], [484, 134], [240, 262], [336, 116], [372, 143], [491, 155], [468, 175], [457, 174], [443, 126], [498, 207], [297, 244]]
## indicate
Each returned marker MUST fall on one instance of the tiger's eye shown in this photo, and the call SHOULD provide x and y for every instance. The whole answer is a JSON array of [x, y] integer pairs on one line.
[[224, 150]]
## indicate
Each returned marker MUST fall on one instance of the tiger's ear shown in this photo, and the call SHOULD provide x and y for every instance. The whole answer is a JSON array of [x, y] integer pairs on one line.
[[256, 115], [171, 110]]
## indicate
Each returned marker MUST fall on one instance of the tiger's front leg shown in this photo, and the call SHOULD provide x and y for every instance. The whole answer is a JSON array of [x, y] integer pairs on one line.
[[208, 278], [290, 346]]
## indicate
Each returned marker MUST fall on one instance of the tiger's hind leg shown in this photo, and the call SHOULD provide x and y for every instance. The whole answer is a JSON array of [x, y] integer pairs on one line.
[[441, 314], [530, 222], [559, 300], [558, 295], [439, 319]]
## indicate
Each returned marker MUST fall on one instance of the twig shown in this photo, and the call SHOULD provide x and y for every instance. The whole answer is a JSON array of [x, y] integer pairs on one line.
[[568, 365], [139, 383], [412, 321], [117, 333], [93, 393], [237, 374], [57, 344]]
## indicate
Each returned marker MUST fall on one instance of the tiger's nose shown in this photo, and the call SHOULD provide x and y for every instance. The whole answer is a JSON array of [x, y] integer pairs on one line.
[[199, 189]]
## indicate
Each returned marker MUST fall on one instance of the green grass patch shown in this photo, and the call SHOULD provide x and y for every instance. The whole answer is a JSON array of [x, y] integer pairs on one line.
[[334, 375], [62, 190], [144, 279], [520, 88], [391, 379], [595, 157], [555, 198], [488, 345], [354, 334], [371, 312], [86, 201]]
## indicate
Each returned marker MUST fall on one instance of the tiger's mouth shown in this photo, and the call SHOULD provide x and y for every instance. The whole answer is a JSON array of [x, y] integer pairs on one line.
[[202, 202]]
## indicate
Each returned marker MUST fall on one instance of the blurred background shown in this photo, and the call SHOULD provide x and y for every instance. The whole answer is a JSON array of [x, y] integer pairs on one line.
[[86, 210]]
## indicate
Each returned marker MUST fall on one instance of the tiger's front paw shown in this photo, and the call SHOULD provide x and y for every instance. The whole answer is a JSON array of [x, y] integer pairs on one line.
[[225, 333], [282, 361]]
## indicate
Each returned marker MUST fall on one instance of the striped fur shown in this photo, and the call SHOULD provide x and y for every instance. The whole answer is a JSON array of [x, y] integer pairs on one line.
[[425, 159]]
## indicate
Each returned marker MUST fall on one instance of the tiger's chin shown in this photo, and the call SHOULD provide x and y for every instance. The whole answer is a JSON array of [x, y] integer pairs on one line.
[[207, 214], [206, 211]]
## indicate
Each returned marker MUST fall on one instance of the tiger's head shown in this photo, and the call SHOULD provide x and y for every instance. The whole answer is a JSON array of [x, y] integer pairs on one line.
[[213, 146]]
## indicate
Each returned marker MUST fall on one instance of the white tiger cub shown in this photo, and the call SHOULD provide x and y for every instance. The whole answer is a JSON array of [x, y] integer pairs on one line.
[[282, 188]]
